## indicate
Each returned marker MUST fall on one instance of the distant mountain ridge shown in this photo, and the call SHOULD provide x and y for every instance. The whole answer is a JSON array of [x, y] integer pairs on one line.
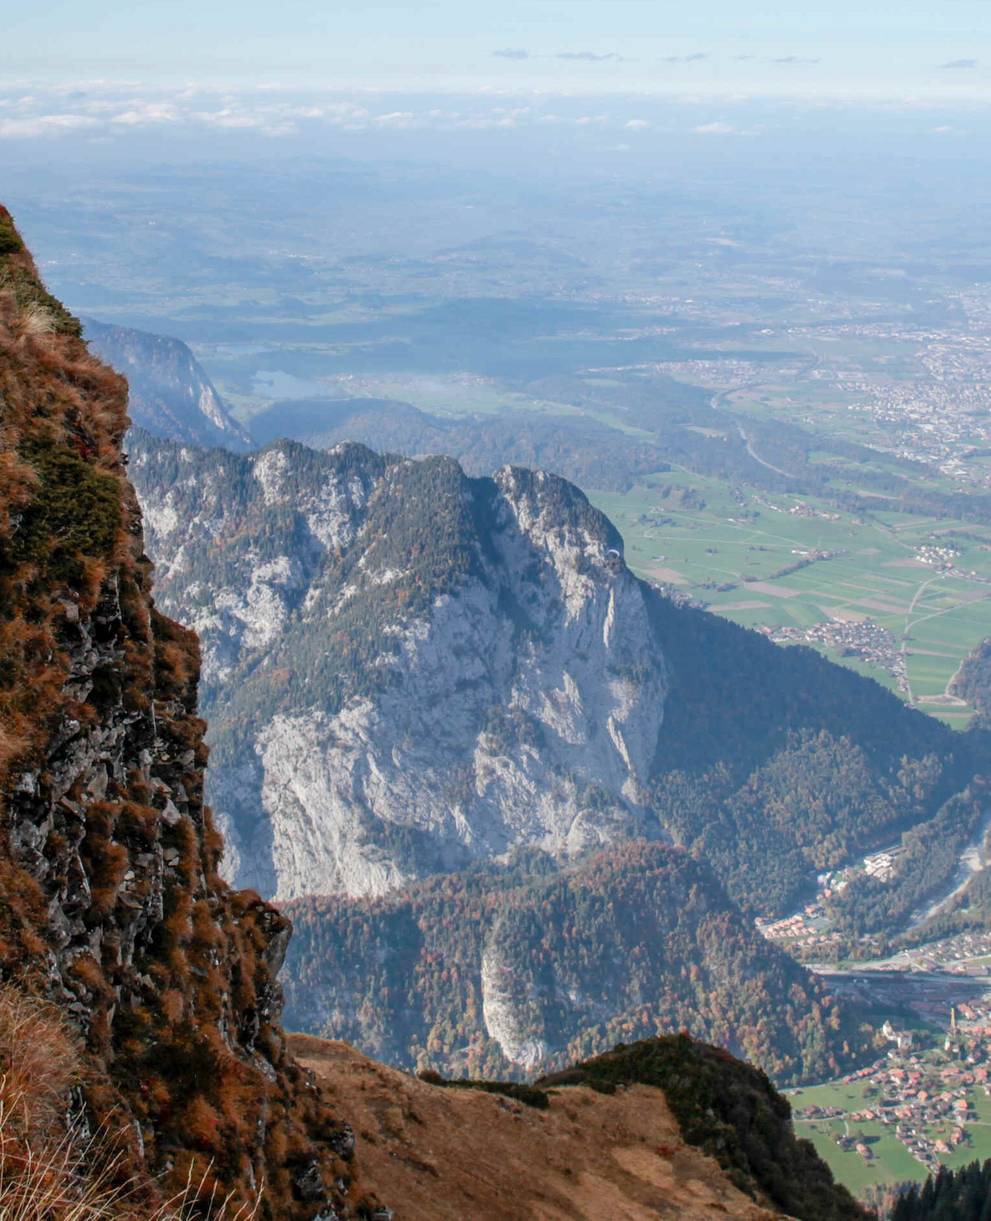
[[579, 447], [170, 393], [408, 670]]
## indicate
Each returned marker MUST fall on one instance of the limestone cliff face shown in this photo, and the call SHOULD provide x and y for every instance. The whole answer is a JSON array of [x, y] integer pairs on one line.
[[169, 391], [430, 669], [110, 900]]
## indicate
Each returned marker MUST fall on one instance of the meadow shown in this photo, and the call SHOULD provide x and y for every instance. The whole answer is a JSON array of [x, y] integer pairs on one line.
[[891, 1162], [729, 547]]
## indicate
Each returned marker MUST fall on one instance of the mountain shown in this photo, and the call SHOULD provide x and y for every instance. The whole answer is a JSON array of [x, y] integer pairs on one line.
[[972, 682], [170, 393], [508, 971], [144, 987], [145, 1072], [408, 669], [579, 447], [663, 1128]]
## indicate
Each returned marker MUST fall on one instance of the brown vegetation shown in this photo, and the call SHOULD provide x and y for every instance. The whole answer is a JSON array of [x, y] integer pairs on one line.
[[451, 1154], [110, 901]]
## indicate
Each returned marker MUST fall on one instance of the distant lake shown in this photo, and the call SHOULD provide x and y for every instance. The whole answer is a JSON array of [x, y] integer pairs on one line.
[[273, 383]]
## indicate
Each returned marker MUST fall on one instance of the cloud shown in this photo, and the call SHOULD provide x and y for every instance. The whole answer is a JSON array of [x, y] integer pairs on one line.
[[395, 118], [721, 128], [794, 59], [591, 57], [228, 118], [480, 123], [147, 112], [694, 58], [499, 116], [960, 63], [511, 53], [45, 125], [345, 114], [636, 124]]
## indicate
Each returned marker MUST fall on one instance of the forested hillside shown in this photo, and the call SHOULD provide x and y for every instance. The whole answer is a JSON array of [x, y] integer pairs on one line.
[[973, 683], [775, 763], [504, 971]]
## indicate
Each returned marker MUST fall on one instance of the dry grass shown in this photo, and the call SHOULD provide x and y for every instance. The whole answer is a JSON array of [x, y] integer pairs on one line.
[[51, 1167], [35, 320]]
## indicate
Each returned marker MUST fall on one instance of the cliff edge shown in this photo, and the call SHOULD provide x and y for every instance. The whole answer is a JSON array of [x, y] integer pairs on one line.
[[111, 906]]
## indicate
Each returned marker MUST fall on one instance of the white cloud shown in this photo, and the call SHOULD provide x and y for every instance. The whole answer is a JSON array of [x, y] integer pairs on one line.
[[227, 118], [637, 124], [715, 129], [148, 112], [396, 118], [481, 123], [345, 111], [44, 125]]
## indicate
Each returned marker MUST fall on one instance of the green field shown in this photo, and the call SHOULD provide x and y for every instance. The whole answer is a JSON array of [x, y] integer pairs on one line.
[[891, 1161], [699, 535]]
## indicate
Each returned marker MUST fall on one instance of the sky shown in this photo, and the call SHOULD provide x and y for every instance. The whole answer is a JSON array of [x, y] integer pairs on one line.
[[926, 49]]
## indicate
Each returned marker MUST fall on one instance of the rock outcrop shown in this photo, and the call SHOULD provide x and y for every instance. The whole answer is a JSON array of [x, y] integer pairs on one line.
[[407, 669], [435, 669], [110, 901], [169, 392]]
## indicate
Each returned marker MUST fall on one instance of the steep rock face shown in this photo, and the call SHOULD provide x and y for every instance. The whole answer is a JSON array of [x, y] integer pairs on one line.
[[111, 902], [434, 669], [169, 391], [407, 669]]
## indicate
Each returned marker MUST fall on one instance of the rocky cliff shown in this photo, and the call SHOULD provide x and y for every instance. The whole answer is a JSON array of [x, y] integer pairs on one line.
[[407, 669], [418, 669], [110, 901], [170, 393]]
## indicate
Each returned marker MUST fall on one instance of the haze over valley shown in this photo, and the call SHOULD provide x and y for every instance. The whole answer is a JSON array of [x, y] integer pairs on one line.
[[780, 401]]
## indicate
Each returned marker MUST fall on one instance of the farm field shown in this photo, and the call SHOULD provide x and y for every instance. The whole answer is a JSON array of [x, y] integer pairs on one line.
[[777, 561], [891, 1162]]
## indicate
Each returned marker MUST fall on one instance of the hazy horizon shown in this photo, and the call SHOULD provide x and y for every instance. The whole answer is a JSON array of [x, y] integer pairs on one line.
[[843, 50]]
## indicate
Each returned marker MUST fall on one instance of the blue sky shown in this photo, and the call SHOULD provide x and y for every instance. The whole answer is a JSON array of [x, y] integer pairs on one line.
[[939, 48]]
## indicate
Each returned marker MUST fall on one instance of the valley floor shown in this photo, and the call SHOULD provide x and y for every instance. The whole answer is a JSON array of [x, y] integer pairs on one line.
[[446, 1155]]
